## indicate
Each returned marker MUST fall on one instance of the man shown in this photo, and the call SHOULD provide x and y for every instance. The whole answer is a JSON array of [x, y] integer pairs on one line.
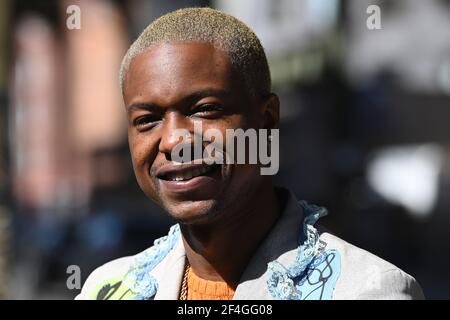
[[237, 237]]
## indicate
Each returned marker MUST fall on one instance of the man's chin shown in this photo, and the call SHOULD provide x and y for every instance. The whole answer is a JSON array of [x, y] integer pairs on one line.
[[193, 212]]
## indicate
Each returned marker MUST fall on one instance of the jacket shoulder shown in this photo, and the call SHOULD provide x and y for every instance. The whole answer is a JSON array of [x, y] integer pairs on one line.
[[367, 276], [106, 282]]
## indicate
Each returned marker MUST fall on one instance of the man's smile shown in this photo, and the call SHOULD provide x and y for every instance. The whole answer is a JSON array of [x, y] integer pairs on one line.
[[186, 178], [184, 172]]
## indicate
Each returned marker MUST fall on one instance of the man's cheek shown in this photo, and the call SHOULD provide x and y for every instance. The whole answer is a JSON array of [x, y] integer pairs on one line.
[[140, 166], [137, 162]]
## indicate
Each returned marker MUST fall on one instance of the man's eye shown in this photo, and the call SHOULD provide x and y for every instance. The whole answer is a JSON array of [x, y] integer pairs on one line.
[[145, 122], [207, 110]]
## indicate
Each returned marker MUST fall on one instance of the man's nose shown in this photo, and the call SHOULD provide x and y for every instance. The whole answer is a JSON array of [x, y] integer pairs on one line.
[[174, 126]]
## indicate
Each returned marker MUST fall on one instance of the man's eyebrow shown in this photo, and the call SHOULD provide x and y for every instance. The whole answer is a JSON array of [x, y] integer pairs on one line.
[[197, 95], [194, 96], [144, 106]]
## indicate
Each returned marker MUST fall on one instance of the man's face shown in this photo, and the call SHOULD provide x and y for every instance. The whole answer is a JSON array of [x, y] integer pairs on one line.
[[168, 87]]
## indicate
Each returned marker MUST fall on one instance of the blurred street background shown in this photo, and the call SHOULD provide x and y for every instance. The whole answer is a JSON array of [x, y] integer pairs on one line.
[[365, 131]]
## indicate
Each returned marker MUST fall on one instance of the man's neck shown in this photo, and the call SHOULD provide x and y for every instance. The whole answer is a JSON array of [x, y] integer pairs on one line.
[[222, 250]]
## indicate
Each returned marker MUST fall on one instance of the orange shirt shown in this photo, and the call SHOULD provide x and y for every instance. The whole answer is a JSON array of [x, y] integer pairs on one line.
[[201, 289]]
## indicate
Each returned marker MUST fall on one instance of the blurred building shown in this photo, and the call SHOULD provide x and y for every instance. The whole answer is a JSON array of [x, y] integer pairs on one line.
[[5, 209]]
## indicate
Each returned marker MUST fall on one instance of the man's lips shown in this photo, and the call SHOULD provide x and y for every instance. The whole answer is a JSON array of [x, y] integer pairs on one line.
[[185, 172], [191, 177]]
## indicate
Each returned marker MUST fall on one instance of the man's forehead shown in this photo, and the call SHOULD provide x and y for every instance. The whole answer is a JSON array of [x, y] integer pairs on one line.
[[173, 68], [178, 57]]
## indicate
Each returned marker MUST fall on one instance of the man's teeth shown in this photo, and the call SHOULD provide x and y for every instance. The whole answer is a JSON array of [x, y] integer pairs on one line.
[[188, 174]]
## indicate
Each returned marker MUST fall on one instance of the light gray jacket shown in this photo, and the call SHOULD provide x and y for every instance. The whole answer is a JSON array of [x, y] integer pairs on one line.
[[295, 261]]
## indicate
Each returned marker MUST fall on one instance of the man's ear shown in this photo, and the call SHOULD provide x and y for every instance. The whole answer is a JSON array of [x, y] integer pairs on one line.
[[271, 111]]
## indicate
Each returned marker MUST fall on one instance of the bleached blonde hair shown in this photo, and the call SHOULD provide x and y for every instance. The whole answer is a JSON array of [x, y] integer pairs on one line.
[[211, 26]]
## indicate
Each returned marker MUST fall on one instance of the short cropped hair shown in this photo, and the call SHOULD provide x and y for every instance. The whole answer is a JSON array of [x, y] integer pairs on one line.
[[211, 26]]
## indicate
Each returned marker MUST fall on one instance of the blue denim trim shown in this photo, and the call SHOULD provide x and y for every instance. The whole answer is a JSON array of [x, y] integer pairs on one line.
[[138, 279], [313, 274]]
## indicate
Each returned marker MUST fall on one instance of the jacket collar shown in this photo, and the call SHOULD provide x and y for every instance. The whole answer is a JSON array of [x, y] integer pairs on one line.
[[280, 245], [169, 273]]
